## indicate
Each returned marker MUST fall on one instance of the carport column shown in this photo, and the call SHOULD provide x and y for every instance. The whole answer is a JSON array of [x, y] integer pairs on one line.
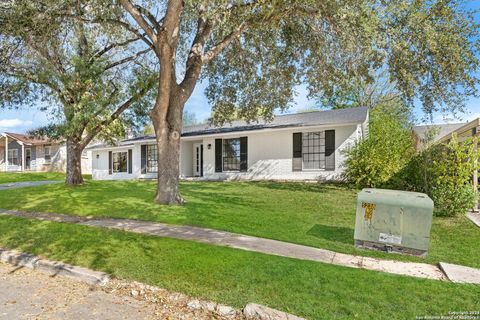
[[6, 153]]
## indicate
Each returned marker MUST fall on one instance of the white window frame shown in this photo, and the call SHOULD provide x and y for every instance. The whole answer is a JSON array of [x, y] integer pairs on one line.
[[320, 152], [113, 161], [49, 154], [10, 162], [239, 154], [148, 159]]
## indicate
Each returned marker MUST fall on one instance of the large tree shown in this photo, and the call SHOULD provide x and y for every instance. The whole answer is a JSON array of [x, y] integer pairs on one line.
[[254, 54], [87, 75]]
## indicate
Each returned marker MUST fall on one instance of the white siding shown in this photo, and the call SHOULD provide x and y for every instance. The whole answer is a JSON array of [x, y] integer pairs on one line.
[[269, 156]]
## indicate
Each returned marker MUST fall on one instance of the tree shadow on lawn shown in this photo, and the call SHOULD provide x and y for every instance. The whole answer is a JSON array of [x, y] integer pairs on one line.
[[317, 187], [330, 233]]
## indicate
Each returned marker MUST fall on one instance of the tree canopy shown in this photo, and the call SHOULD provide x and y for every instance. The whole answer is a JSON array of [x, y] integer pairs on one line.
[[92, 79]]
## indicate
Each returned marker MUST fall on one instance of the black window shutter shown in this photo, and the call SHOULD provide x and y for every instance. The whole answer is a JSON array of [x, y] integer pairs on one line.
[[218, 155], [110, 162], [243, 153], [130, 161], [143, 158], [297, 145], [330, 150], [297, 152]]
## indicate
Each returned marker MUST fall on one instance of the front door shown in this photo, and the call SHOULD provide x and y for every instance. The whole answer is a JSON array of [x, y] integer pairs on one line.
[[197, 159], [28, 158]]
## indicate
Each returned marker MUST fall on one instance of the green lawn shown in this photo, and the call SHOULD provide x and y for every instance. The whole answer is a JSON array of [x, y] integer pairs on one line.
[[235, 277], [312, 214], [6, 177]]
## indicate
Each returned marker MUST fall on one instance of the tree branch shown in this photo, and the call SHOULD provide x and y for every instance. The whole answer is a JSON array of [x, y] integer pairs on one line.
[[216, 49], [125, 60], [113, 46], [138, 17], [194, 61], [115, 115]]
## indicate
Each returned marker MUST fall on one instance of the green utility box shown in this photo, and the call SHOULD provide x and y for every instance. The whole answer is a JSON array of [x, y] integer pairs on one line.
[[393, 221]]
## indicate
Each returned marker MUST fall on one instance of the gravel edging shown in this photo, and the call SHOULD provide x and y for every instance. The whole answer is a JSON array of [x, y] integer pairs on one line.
[[142, 291]]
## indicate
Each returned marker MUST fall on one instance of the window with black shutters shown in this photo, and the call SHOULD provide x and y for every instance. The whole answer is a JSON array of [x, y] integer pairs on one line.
[[152, 158], [231, 154], [313, 150]]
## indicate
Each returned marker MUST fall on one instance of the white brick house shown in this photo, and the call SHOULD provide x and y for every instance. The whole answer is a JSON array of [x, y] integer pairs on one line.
[[304, 146]]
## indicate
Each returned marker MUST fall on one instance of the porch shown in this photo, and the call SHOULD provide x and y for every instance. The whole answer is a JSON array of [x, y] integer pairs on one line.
[[15, 155]]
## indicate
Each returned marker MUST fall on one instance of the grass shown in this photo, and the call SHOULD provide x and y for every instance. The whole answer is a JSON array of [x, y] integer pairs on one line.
[[312, 214], [235, 277], [6, 177]]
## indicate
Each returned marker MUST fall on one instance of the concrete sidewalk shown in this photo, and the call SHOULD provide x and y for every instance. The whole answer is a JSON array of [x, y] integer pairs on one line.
[[239, 241], [24, 184]]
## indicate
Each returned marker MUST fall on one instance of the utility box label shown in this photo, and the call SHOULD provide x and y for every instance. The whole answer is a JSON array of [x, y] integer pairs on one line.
[[369, 209], [389, 238]]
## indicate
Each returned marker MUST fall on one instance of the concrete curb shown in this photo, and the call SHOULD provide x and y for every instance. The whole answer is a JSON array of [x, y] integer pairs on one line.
[[56, 268], [474, 217], [257, 311], [53, 268]]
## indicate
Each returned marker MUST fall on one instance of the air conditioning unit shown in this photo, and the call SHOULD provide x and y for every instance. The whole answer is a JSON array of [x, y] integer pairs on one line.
[[393, 221]]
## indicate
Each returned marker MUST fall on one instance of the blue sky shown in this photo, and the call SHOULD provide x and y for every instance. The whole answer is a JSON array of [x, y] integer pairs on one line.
[[22, 120]]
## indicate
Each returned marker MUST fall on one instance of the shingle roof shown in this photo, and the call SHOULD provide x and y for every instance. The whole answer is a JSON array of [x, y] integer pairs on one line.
[[443, 129], [314, 118], [327, 117], [28, 139]]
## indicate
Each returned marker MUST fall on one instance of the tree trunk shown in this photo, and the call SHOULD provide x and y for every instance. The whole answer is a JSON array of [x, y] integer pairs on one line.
[[168, 131], [74, 163]]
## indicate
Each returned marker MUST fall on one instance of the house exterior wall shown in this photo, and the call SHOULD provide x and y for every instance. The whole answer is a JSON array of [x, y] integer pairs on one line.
[[58, 155], [270, 154], [87, 162]]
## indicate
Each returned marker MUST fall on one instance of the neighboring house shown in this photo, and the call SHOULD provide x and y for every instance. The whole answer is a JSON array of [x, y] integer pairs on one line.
[[463, 131], [304, 146], [433, 133], [21, 152]]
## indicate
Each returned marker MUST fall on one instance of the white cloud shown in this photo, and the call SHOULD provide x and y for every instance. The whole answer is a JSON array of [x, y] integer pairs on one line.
[[14, 123]]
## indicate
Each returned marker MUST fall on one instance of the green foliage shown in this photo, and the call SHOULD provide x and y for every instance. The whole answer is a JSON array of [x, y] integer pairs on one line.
[[84, 73], [452, 177], [451, 200], [389, 146], [444, 172], [426, 50]]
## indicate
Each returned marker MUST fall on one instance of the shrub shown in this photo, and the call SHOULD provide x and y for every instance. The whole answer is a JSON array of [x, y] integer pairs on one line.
[[453, 200], [444, 172], [389, 146]]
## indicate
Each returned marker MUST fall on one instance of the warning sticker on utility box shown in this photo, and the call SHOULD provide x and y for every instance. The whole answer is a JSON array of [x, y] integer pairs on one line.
[[390, 238]]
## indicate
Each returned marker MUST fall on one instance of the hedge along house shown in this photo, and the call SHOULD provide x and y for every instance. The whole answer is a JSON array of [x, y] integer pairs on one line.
[[21, 152], [304, 146]]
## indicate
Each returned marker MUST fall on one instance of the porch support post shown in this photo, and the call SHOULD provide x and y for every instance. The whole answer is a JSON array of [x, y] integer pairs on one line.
[[6, 153], [23, 157], [475, 177]]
